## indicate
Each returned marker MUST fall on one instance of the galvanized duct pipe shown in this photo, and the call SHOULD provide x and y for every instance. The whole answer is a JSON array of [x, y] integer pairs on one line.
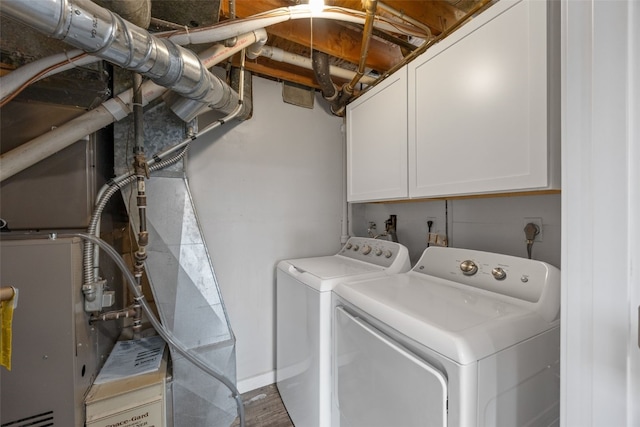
[[112, 110], [97, 30], [253, 42]]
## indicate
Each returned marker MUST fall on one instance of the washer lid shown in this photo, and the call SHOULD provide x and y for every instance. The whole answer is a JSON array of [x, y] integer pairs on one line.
[[330, 267], [461, 323], [324, 273]]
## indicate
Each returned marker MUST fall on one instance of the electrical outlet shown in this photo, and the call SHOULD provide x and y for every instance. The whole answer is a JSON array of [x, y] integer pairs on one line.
[[537, 222]]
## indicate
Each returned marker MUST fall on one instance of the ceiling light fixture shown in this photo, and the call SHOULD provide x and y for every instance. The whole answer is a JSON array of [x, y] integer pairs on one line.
[[316, 6]]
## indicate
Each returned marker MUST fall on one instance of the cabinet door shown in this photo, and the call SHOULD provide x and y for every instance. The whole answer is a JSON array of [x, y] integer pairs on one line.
[[377, 142], [478, 106]]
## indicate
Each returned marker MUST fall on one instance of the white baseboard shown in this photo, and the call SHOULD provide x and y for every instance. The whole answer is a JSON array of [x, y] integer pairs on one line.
[[258, 381]]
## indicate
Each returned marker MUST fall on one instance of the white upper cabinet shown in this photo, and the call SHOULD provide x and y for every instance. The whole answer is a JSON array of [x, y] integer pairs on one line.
[[377, 142], [484, 105]]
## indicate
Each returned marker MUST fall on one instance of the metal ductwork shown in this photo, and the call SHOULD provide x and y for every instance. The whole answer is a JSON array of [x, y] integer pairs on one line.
[[96, 30]]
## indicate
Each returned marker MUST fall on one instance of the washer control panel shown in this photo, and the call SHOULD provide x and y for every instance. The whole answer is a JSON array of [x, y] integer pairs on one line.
[[379, 252]]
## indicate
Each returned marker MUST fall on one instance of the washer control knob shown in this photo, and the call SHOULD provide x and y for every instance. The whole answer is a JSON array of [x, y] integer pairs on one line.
[[348, 246], [387, 254], [378, 252], [468, 267], [499, 273], [356, 247], [366, 249]]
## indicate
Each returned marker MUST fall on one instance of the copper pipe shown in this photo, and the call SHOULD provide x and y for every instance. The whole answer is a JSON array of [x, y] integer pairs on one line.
[[366, 38], [161, 23], [6, 293], [477, 8], [346, 91], [115, 315], [405, 18], [232, 9]]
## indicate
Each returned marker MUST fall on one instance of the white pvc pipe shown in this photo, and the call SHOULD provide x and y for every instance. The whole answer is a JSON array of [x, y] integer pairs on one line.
[[12, 81], [233, 28], [61, 137], [228, 29], [280, 55], [94, 29], [184, 107], [76, 58]]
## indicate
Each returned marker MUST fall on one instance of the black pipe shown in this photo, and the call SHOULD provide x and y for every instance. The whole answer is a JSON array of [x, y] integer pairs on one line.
[[321, 66]]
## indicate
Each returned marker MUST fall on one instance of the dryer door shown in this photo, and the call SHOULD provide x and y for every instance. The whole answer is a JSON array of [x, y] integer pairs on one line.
[[379, 383]]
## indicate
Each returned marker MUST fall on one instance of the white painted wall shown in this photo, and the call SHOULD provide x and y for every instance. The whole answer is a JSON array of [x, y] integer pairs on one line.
[[266, 189], [271, 188], [487, 224]]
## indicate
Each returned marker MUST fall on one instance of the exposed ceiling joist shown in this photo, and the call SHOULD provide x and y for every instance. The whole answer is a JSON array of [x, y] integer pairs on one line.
[[343, 41]]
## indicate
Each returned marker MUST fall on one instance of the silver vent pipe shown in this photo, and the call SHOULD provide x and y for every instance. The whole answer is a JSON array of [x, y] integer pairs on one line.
[[114, 109], [96, 30]]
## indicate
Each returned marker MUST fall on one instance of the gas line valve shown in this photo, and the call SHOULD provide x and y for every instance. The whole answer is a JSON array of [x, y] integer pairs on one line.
[[95, 297]]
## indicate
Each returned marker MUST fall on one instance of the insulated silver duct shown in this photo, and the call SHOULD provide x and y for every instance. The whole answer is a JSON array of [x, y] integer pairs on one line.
[[96, 30]]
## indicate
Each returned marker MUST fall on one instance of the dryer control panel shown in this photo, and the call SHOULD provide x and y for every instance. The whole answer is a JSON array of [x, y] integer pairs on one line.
[[532, 282], [373, 251]]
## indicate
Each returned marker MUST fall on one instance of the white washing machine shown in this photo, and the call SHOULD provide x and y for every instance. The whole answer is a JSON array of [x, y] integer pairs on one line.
[[466, 338], [304, 317]]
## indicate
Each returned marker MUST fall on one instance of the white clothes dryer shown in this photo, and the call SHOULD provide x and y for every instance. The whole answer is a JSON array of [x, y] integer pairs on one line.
[[304, 317], [466, 338]]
